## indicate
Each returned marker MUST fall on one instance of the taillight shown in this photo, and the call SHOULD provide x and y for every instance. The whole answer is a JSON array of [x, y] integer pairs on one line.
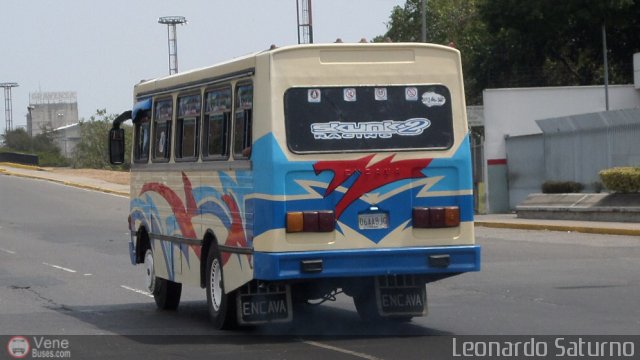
[[436, 217], [310, 221]]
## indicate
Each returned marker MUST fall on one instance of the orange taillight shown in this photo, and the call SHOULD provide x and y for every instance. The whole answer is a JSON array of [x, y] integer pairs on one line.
[[310, 221], [295, 221], [436, 217]]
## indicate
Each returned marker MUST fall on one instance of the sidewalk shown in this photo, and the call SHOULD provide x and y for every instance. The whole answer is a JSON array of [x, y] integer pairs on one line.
[[509, 221], [35, 172]]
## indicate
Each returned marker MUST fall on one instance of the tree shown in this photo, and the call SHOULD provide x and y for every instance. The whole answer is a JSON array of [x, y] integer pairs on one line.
[[516, 43], [449, 22], [547, 43], [17, 140], [93, 149]]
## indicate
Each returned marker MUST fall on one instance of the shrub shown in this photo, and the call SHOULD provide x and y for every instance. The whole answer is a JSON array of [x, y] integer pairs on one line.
[[561, 187], [621, 179]]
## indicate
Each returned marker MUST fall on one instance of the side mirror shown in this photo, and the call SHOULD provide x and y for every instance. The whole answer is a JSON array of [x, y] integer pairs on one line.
[[116, 146]]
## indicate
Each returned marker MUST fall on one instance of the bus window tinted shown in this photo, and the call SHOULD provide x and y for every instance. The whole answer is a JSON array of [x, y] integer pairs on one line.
[[216, 123], [368, 118], [142, 138], [187, 126], [163, 112], [243, 117]]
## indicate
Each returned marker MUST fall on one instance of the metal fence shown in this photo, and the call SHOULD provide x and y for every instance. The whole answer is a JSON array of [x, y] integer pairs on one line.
[[572, 148]]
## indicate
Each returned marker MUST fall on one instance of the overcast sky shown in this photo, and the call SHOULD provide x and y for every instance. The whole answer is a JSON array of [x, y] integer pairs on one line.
[[100, 49]]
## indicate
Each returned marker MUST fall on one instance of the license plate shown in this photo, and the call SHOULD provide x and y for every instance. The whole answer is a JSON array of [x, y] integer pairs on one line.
[[403, 301], [373, 221], [256, 309]]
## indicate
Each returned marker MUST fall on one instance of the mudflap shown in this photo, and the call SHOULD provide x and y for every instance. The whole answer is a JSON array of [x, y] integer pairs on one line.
[[400, 296], [260, 302]]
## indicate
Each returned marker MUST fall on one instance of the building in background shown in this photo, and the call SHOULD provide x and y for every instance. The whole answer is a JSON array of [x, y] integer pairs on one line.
[[51, 110], [519, 112]]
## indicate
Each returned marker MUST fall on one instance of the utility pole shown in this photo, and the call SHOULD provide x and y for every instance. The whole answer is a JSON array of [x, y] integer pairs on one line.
[[171, 22], [305, 23], [423, 16], [8, 110], [606, 66]]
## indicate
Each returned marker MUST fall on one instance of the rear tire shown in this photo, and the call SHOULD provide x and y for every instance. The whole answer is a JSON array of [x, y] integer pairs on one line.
[[221, 305], [367, 307], [166, 293]]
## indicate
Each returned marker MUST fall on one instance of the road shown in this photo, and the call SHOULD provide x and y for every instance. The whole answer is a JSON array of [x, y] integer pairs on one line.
[[64, 270]]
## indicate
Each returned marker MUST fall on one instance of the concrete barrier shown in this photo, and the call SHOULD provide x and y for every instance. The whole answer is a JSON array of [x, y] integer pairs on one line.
[[581, 207], [16, 158]]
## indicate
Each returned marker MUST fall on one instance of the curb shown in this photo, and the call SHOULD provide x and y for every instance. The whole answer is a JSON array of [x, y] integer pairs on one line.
[[22, 166], [549, 227], [67, 183]]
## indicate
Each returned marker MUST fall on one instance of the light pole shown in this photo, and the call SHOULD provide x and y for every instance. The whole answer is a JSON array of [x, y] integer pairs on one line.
[[8, 111], [171, 22]]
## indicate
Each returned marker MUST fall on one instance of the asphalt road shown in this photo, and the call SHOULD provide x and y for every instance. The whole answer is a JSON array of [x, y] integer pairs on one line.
[[64, 270]]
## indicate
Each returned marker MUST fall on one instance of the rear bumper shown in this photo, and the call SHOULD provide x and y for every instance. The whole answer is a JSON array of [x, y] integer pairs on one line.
[[366, 262]]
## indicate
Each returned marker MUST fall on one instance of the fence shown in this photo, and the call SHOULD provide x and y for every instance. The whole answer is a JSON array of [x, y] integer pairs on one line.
[[572, 148]]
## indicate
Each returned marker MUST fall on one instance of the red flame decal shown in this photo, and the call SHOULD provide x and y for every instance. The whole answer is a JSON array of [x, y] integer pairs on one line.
[[370, 177]]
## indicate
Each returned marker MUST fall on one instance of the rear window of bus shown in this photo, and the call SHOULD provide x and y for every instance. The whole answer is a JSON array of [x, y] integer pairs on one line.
[[368, 118]]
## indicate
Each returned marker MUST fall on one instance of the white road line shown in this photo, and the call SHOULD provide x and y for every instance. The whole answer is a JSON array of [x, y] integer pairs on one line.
[[8, 251], [87, 274], [145, 293], [60, 267], [344, 351]]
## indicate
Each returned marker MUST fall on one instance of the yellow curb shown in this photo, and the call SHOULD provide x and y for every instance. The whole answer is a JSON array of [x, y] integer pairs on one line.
[[22, 166], [68, 183], [580, 229]]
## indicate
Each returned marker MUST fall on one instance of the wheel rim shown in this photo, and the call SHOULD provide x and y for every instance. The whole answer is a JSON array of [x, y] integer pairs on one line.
[[216, 285], [149, 271]]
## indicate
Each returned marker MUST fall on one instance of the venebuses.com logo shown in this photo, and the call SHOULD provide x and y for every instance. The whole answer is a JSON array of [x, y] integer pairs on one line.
[[20, 347]]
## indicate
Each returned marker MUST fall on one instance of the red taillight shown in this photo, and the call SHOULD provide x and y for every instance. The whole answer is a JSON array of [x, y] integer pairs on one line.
[[420, 217], [310, 221], [436, 217]]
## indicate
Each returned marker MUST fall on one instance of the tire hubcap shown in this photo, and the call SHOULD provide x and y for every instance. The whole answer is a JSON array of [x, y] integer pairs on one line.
[[150, 275], [216, 285]]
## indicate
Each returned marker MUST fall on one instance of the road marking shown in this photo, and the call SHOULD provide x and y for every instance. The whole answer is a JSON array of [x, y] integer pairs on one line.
[[59, 267], [8, 251], [87, 274], [344, 351], [145, 293]]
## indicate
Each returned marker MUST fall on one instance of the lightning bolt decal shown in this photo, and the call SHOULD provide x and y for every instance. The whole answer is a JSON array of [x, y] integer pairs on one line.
[[369, 177]]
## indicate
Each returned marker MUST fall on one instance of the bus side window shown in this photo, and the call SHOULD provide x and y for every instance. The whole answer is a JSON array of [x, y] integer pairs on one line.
[[217, 123], [187, 127], [243, 118], [142, 138], [163, 113]]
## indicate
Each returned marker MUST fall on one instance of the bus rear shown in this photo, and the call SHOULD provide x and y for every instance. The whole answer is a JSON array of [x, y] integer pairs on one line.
[[362, 179]]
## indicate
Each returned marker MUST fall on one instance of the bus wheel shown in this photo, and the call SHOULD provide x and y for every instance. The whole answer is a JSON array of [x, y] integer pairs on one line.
[[221, 305], [367, 307], [166, 293]]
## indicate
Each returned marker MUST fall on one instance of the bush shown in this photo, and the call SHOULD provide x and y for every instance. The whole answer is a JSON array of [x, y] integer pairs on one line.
[[561, 187], [621, 179]]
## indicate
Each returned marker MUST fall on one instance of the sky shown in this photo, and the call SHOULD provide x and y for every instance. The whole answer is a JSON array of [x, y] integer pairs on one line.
[[100, 49]]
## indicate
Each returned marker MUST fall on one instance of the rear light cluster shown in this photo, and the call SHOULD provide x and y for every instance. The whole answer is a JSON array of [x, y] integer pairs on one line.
[[436, 217], [311, 221]]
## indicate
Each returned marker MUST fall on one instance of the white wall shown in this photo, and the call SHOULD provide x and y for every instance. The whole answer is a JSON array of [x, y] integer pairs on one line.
[[514, 111]]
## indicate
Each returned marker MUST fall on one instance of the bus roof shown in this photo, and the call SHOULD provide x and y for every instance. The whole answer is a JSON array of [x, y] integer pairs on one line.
[[245, 65]]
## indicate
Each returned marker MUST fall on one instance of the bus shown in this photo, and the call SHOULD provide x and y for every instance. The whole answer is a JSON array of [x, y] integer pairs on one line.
[[291, 175]]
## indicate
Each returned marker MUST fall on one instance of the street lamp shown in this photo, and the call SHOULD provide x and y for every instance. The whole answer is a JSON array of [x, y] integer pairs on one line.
[[171, 22]]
